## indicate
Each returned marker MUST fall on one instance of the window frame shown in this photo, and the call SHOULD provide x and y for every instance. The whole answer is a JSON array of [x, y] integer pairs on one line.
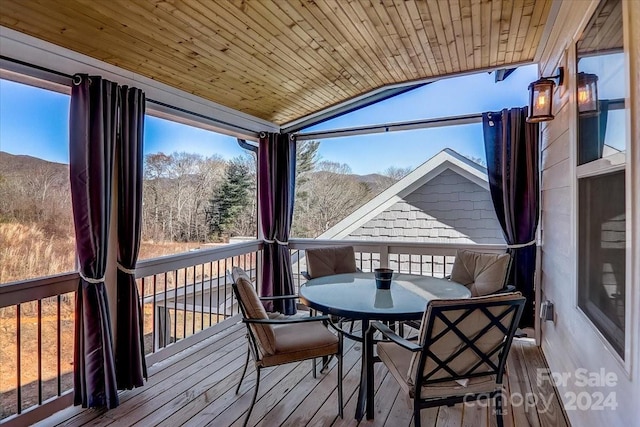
[[606, 165]]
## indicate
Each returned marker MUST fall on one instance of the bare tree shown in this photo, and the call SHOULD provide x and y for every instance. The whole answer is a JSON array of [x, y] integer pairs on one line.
[[397, 173], [333, 193]]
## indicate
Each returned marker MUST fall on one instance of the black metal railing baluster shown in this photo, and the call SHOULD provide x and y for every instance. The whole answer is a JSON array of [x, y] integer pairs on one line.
[[19, 360], [184, 309], [225, 288], [193, 308], [175, 306], [39, 306], [154, 318], [218, 292], [202, 299], [166, 324], [210, 293], [58, 345]]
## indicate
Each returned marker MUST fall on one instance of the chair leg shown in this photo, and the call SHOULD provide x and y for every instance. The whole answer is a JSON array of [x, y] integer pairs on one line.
[[325, 363], [416, 414], [499, 420], [244, 371], [313, 368], [255, 394], [340, 367]]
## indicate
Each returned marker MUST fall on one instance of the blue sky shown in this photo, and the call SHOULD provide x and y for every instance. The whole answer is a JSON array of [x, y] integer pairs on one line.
[[34, 122]]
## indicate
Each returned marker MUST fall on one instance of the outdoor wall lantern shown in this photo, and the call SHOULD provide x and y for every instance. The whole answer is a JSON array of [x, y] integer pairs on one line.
[[541, 97], [587, 93]]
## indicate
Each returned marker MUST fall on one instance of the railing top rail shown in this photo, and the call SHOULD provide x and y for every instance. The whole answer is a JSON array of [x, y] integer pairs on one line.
[[395, 246], [167, 263], [43, 287]]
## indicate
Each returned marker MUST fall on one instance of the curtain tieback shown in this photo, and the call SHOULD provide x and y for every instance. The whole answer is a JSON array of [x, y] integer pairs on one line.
[[276, 241], [131, 271], [521, 245], [90, 280]]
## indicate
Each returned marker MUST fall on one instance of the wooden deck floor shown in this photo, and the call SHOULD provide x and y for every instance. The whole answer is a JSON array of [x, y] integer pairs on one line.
[[197, 388]]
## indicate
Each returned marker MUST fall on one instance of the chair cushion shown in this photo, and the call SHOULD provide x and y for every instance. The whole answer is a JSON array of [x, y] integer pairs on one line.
[[397, 359], [483, 274], [327, 261], [300, 341], [254, 309]]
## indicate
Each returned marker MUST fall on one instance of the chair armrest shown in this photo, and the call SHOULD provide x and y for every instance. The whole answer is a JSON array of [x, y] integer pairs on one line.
[[287, 321], [388, 333], [279, 297]]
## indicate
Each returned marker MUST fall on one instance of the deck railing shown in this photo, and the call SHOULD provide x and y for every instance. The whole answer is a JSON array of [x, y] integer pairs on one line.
[[36, 366], [185, 294], [428, 259], [185, 298]]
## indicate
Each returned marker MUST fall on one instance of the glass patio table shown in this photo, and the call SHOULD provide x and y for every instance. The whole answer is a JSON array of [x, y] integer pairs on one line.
[[354, 296]]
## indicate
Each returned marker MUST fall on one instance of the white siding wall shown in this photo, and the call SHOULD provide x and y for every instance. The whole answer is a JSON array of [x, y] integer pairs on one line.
[[447, 209], [571, 342]]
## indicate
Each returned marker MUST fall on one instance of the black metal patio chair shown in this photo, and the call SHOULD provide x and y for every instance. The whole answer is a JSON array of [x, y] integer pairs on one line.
[[460, 354]]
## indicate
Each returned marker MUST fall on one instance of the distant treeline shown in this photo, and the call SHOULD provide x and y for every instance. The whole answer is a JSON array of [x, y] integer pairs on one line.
[[189, 197]]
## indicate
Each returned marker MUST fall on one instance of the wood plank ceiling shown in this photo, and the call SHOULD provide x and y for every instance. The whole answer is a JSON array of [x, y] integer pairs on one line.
[[284, 59]]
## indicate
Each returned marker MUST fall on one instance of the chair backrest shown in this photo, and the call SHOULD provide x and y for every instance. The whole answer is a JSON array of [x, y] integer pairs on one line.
[[464, 339], [330, 260], [482, 273], [252, 308]]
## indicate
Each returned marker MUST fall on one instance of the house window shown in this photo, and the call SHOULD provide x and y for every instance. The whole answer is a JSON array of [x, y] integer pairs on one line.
[[601, 251], [601, 159], [36, 223]]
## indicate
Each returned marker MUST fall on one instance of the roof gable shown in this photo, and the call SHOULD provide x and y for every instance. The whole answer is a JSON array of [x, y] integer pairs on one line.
[[446, 159]]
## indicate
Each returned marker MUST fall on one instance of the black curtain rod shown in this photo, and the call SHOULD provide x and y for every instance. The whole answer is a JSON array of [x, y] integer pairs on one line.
[[43, 71]]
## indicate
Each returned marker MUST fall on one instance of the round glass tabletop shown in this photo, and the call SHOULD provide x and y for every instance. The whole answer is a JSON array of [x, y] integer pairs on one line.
[[354, 295]]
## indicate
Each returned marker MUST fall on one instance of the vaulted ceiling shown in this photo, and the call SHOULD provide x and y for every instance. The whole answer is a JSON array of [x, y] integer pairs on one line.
[[281, 60]]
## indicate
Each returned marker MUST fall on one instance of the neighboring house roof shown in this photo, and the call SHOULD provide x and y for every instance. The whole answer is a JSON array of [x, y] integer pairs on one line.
[[445, 160]]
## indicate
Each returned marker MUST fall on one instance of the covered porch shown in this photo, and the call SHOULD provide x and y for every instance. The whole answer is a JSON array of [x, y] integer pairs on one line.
[[251, 68]]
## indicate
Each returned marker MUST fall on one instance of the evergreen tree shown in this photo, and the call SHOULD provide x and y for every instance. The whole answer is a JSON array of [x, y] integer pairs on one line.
[[229, 200]]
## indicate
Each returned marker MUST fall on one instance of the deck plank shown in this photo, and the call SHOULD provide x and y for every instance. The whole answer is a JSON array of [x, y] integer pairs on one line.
[[519, 386], [323, 391], [176, 387], [547, 402], [197, 387]]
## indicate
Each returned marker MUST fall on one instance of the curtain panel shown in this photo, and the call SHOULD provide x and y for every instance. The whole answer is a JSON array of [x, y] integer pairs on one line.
[[130, 361], [511, 146], [105, 136], [276, 189], [92, 138]]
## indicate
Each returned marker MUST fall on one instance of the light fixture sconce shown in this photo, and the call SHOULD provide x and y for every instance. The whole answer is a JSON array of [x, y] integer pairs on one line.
[[587, 93], [541, 97]]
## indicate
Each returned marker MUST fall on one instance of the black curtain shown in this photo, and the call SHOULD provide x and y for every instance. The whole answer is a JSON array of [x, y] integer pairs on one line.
[[276, 189], [130, 361], [92, 137], [511, 146]]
